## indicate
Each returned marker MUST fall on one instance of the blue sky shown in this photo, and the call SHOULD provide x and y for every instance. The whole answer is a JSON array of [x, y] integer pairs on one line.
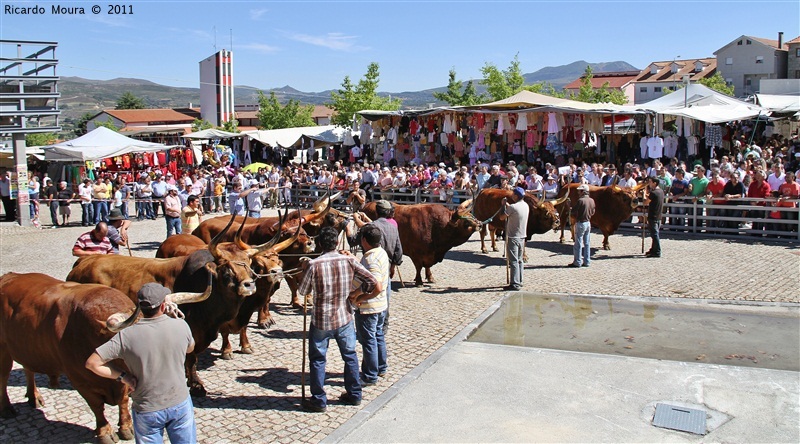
[[313, 45]]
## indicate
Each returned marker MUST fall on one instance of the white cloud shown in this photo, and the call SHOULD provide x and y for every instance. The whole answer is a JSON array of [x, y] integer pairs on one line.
[[258, 47], [332, 40], [256, 14]]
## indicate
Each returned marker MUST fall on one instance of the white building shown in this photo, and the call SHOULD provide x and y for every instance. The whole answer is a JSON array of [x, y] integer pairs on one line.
[[659, 78], [216, 88]]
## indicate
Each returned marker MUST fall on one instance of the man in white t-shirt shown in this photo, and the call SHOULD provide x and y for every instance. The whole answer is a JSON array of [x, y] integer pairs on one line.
[[777, 177], [85, 195]]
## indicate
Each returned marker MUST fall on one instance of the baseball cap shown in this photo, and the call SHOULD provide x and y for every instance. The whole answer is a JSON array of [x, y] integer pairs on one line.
[[519, 191], [383, 205], [152, 294], [584, 187], [441, 164]]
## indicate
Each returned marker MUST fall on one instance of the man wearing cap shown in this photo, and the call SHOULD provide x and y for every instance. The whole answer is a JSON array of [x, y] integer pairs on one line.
[[516, 232], [65, 197], [172, 211], [154, 350], [550, 187], [582, 214], [117, 229]]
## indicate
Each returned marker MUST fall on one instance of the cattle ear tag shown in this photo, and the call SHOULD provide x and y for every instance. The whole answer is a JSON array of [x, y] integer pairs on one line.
[[211, 267]]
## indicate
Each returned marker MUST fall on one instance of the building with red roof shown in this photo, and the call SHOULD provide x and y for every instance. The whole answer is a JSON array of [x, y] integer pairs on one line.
[[620, 80]]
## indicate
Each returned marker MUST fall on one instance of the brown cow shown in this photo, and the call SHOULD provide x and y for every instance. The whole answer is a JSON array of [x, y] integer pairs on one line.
[[52, 327], [226, 264], [266, 263], [614, 205], [259, 231], [542, 215], [429, 231]]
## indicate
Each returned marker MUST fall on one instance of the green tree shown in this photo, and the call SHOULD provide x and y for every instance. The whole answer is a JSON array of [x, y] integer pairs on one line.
[[273, 115], [504, 84], [200, 125], [231, 126], [454, 96], [349, 99], [40, 139], [717, 83], [108, 124], [604, 94], [80, 125], [129, 101]]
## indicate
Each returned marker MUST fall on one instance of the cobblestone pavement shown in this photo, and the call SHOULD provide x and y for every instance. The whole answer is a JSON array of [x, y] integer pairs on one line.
[[255, 398]]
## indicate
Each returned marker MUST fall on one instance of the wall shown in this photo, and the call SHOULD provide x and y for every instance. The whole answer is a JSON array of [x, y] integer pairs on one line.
[[744, 65]]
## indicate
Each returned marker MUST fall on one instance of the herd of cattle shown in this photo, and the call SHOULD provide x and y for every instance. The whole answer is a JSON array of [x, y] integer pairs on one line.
[[220, 277]]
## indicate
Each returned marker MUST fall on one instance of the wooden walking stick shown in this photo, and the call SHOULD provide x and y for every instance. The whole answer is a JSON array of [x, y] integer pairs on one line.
[[303, 370], [644, 224], [506, 255], [400, 276]]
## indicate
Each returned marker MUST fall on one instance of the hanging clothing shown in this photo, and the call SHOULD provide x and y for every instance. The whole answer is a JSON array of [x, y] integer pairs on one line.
[[552, 124], [522, 122], [655, 147]]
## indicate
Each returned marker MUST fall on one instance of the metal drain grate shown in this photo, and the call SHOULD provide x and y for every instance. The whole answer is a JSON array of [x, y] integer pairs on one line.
[[680, 418]]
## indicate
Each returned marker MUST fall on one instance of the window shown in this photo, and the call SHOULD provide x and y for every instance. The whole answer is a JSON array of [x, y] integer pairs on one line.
[[749, 42], [759, 59], [797, 74], [643, 89], [797, 52], [657, 89], [729, 61], [739, 43], [729, 82], [748, 82]]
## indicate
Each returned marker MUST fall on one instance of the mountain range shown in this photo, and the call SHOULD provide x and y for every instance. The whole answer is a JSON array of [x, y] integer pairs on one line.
[[79, 95]]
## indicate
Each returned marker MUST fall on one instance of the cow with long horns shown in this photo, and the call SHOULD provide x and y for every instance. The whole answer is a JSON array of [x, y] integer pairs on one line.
[[224, 264], [429, 231], [51, 327], [542, 215]]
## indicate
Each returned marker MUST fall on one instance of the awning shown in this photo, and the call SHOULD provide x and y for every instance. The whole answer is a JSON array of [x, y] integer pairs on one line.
[[211, 133], [779, 103], [289, 137], [100, 143]]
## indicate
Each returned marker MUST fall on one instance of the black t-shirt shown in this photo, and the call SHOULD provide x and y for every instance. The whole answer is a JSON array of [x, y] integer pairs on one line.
[[656, 204], [52, 190], [63, 197], [730, 188]]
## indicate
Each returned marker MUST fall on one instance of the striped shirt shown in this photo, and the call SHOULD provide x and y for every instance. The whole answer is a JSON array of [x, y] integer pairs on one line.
[[377, 262], [330, 277], [87, 243]]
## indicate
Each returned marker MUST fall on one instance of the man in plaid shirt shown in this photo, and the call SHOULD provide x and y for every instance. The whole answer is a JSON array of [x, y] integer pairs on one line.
[[330, 277]]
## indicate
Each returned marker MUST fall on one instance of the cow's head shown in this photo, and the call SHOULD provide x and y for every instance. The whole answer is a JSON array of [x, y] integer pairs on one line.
[[231, 265], [463, 219], [324, 206], [543, 214], [265, 260], [627, 196]]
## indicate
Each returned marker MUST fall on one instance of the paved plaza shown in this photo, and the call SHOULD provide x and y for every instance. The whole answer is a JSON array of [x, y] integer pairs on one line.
[[255, 398]]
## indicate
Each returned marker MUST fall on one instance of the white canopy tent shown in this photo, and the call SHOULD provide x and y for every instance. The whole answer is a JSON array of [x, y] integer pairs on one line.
[[100, 143], [699, 102], [782, 104], [211, 133], [290, 137]]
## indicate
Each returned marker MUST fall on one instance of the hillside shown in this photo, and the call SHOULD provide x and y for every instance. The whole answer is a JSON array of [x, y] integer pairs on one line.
[[79, 95]]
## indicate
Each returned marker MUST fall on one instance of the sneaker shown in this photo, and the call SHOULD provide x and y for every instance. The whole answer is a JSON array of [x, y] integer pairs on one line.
[[381, 375], [573, 265], [309, 406], [365, 383], [349, 399], [584, 265], [652, 255], [746, 226], [511, 288]]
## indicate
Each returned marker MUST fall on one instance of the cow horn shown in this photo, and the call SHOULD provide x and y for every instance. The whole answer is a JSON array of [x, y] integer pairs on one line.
[[213, 246], [285, 244], [119, 321], [615, 187], [238, 239], [560, 200], [638, 187], [186, 297], [316, 216], [266, 245]]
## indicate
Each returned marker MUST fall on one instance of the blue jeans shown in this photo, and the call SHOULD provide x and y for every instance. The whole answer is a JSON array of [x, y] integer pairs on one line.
[[582, 248], [178, 421], [144, 209], [86, 213], [100, 211], [254, 213], [124, 209], [173, 225], [318, 340], [655, 247], [515, 248], [369, 331]]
